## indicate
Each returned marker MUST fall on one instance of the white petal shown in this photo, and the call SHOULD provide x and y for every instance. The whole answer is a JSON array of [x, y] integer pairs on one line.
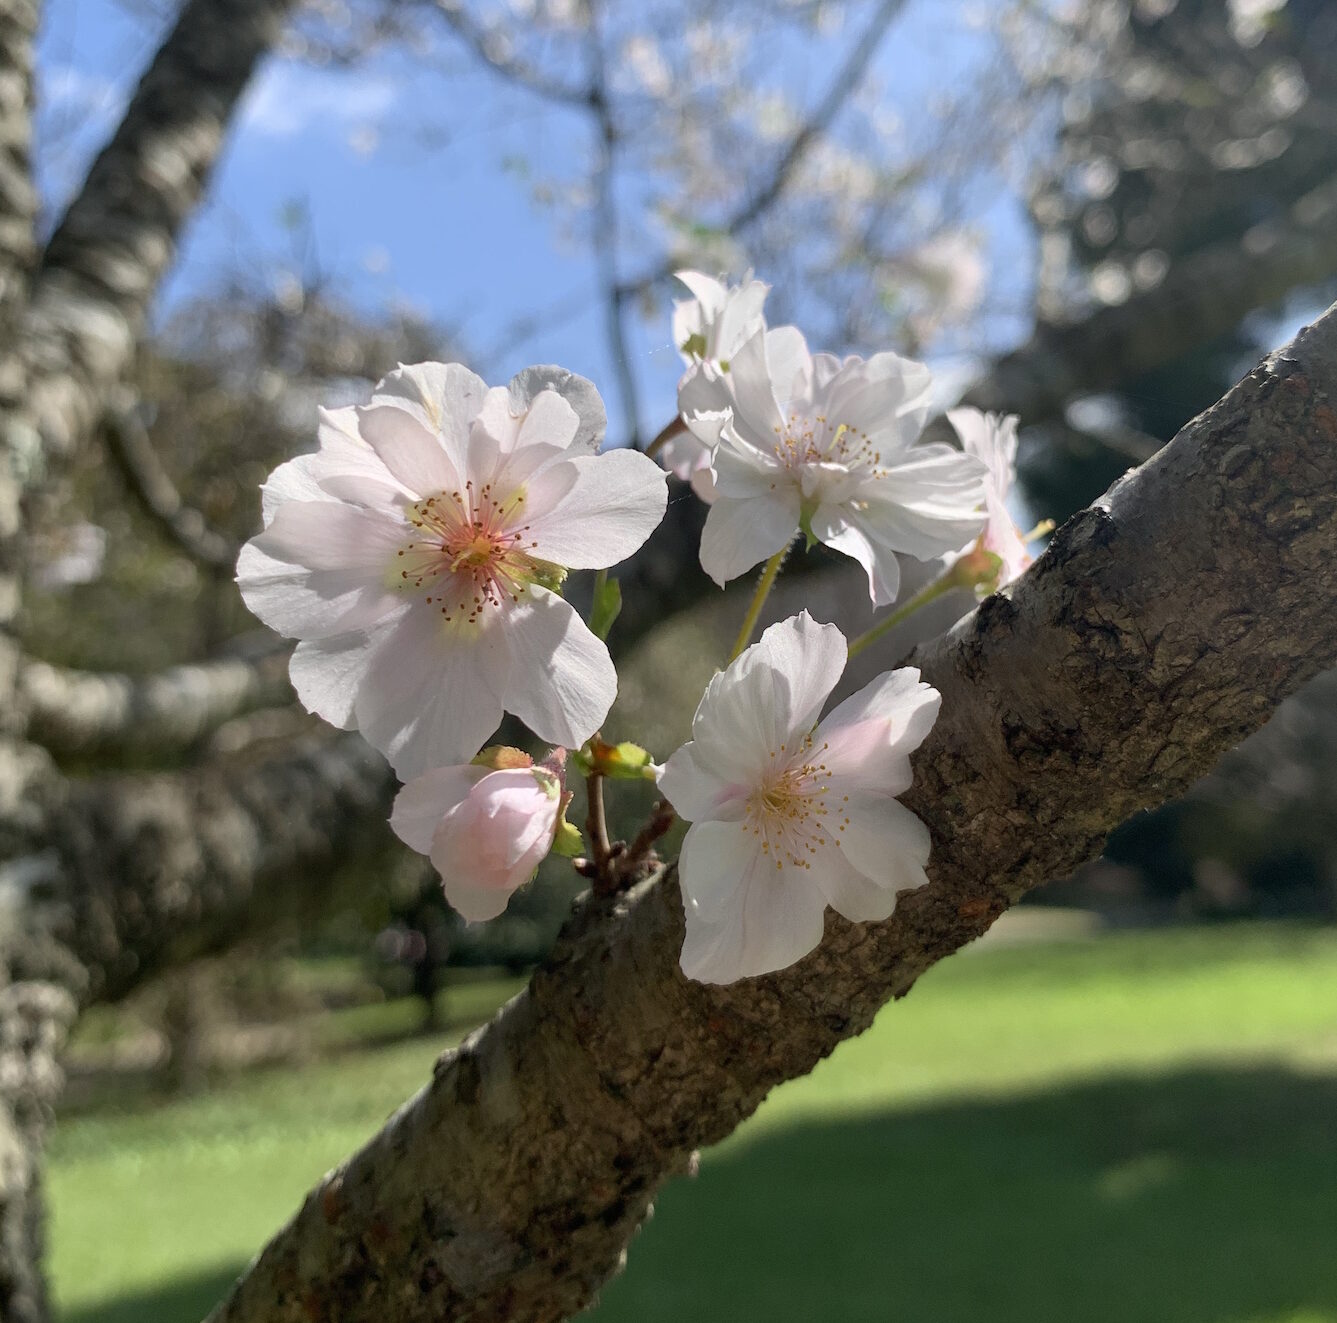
[[299, 602], [759, 709], [775, 918], [605, 515], [577, 391], [329, 535], [425, 800], [832, 529], [697, 792], [886, 397], [415, 456], [742, 533], [703, 484], [739, 318], [448, 395], [927, 504], [789, 362], [685, 452], [433, 691], [326, 673], [867, 740], [742, 471], [858, 897], [563, 682], [991, 438], [716, 858], [756, 409], [884, 841]]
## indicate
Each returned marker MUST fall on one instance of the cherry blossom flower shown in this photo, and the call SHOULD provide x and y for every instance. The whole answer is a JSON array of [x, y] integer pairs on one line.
[[485, 828], [790, 815], [992, 439], [708, 329], [826, 446], [418, 553]]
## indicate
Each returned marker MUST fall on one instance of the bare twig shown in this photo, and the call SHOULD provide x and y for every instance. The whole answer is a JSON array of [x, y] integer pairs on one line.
[[151, 485]]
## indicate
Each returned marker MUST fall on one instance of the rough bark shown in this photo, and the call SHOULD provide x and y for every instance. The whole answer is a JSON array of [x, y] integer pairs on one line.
[[72, 711], [115, 242], [1162, 625]]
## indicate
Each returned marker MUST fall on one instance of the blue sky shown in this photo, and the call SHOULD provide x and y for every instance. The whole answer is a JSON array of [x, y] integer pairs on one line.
[[450, 232]]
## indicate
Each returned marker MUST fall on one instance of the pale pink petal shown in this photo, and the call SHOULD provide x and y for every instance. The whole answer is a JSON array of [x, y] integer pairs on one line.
[[697, 792], [433, 691], [416, 457], [329, 535], [424, 801], [703, 484], [684, 453], [615, 502], [884, 841], [742, 533], [867, 739], [563, 681]]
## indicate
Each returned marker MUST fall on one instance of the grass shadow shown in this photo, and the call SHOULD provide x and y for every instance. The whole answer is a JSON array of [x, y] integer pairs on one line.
[[1201, 1196], [183, 1300]]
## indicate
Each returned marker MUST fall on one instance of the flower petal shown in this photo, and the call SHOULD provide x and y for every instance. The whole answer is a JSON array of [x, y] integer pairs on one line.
[[326, 672], [563, 682], [615, 502], [774, 919], [716, 857], [577, 391], [742, 533], [415, 456], [859, 898], [867, 739], [425, 800], [884, 841], [433, 691], [831, 528], [697, 793], [446, 396]]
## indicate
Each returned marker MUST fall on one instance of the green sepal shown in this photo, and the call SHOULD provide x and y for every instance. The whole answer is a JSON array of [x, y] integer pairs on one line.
[[568, 842], [695, 345]]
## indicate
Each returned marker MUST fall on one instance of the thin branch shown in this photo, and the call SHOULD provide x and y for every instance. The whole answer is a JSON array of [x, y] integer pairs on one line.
[[605, 237], [151, 485], [843, 85], [1160, 627], [487, 46]]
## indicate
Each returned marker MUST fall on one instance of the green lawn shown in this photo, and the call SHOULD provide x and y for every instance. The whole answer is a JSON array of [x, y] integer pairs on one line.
[[1137, 1128]]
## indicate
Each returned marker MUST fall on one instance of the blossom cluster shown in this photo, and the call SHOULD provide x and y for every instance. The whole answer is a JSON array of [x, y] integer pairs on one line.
[[419, 556]]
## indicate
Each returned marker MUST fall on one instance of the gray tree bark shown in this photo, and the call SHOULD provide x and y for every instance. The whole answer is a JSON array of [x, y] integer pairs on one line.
[[1162, 625]]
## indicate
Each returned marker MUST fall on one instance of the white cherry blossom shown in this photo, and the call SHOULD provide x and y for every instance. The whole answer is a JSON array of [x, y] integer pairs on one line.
[[992, 439], [829, 447], [416, 556], [789, 814], [708, 329], [485, 830]]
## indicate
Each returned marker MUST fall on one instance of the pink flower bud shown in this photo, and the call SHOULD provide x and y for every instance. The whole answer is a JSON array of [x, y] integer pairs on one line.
[[486, 832]]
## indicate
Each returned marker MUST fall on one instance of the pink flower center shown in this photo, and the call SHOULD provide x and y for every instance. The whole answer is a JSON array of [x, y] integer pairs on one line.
[[788, 809], [471, 553]]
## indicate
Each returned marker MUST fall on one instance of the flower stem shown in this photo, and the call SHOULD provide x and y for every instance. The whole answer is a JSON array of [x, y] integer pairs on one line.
[[596, 827], [968, 571], [764, 586]]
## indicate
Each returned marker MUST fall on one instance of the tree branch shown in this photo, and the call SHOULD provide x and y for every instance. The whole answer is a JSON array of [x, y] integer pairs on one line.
[[841, 87], [487, 47], [1161, 626], [118, 237], [151, 485], [71, 711], [1204, 295], [155, 869]]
